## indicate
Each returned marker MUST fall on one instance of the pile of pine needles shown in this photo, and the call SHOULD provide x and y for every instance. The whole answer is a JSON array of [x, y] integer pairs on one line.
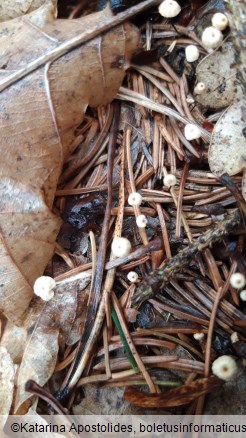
[[140, 335]]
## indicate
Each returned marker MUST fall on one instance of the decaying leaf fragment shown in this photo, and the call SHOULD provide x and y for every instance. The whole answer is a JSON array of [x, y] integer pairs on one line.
[[174, 397], [40, 353], [15, 8], [7, 373], [14, 339], [218, 72], [227, 151], [38, 116]]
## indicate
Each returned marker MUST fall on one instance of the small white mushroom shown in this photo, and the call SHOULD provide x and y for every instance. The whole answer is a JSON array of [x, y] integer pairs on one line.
[[190, 99], [212, 37], [169, 9], [43, 287], [141, 221], [121, 247], [192, 132], [237, 280], [132, 276], [219, 21], [225, 368], [198, 336], [191, 53], [199, 88], [243, 295], [135, 198], [169, 180], [234, 337]]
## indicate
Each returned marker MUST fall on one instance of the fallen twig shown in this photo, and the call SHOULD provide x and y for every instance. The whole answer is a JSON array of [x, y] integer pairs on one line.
[[157, 279]]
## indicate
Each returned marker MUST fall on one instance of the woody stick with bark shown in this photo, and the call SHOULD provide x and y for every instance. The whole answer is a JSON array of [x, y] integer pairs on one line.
[[160, 277]]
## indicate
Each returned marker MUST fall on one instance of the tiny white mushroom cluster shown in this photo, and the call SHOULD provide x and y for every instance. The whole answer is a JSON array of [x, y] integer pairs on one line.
[[225, 368], [121, 246], [43, 287], [192, 132], [212, 35], [169, 8], [237, 280]]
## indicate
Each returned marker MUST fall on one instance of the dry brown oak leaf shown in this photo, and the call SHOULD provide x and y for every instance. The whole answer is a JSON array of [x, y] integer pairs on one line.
[[38, 116], [14, 8]]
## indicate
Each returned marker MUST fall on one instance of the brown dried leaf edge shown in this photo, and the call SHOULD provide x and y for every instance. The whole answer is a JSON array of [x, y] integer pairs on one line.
[[174, 397], [38, 115]]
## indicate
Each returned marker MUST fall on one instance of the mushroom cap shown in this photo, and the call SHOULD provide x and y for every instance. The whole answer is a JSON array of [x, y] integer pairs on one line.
[[237, 280], [121, 246], [43, 286], [191, 53], [192, 132], [132, 276], [135, 198], [212, 37], [225, 368], [219, 21], [141, 221], [169, 180], [199, 88], [243, 295], [169, 8]]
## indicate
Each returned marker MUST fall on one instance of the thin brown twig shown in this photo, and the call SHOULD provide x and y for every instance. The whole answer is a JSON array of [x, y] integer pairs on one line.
[[164, 231], [201, 400], [75, 369], [179, 201]]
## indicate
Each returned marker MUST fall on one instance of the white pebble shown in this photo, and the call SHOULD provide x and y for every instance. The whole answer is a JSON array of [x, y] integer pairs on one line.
[[141, 221], [191, 53], [212, 37], [199, 88], [43, 287], [135, 198], [121, 247], [169, 180], [169, 9], [132, 276], [192, 132], [237, 280], [225, 368], [219, 21], [243, 295]]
